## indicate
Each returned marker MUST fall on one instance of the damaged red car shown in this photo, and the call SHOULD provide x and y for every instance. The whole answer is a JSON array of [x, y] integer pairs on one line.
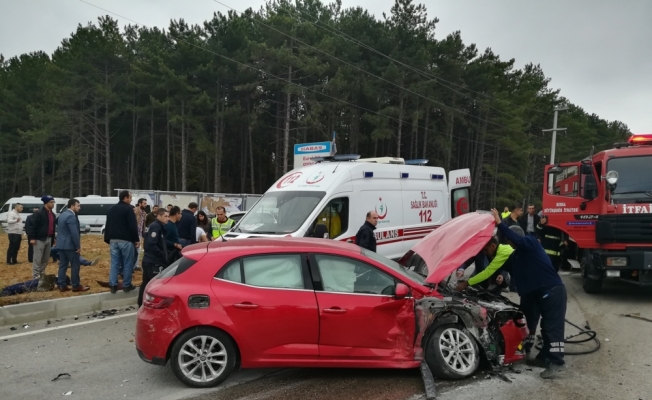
[[305, 302]]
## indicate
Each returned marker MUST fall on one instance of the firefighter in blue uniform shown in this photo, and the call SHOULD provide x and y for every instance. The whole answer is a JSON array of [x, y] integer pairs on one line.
[[543, 295]]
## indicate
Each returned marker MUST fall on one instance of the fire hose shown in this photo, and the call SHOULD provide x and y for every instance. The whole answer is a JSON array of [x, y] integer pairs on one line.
[[570, 339]]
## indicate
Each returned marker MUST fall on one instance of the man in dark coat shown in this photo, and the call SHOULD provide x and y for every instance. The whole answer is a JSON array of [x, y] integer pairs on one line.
[[121, 233], [542, 294], [41, 235], [156, 252], [28, 227], [529, 221], [187, 225], [365, 237]]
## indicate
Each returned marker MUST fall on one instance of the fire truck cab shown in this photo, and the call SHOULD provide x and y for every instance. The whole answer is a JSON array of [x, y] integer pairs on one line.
[[604, 205]]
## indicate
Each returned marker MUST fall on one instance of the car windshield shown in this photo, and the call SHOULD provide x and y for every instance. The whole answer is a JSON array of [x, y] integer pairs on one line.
[[395, 266], [632, 184], [280, 212]]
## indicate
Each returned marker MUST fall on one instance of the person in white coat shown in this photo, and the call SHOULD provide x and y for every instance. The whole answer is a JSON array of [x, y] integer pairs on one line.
[[15, 230]]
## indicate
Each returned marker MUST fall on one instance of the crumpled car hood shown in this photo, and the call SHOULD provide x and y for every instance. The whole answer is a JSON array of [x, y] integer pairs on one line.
[[449, 246]]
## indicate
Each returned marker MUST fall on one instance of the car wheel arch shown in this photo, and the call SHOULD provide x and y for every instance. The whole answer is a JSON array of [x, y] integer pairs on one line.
[[452, 317], [196, 327]]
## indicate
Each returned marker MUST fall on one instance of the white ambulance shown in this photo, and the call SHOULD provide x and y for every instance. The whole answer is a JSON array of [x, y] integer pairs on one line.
[[29, 203], [411, 201]]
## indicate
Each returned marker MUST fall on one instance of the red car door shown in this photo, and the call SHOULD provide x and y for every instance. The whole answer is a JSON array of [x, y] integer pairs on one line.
[[359, 317], [270, 306]]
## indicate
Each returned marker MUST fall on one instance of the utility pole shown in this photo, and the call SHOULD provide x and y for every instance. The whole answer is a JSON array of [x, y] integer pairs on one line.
[[554, 133]]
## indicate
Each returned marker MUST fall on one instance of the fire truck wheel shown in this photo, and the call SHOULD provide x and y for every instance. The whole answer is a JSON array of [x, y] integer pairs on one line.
[[592, 286]]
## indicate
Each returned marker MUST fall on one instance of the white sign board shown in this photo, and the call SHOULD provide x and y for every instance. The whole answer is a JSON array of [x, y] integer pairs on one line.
[[305, 152]]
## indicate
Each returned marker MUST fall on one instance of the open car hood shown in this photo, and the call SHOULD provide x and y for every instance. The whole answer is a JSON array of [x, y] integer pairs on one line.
[[448, 247]]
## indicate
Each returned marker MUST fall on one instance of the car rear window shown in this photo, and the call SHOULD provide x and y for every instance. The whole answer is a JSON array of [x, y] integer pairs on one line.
[[177, 268]]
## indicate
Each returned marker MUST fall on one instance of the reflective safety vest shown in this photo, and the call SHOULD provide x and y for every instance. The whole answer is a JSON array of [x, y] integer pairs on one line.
[[505, 214], [220, 229]]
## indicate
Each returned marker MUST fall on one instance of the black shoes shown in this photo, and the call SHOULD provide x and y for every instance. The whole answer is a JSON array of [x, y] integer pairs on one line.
[[114, 289], [129, 288]]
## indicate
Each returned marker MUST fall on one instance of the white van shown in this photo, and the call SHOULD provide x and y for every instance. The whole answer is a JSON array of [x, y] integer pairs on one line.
[[411, 201], [94, 209], [29, 203]]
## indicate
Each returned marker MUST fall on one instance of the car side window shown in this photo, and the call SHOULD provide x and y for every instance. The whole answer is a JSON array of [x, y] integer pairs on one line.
[[282, 271], [231, 272], [346, 275]]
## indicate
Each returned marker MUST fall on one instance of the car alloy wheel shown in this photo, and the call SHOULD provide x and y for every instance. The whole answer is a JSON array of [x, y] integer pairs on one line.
[[203, 357], [457, 350], [451, 352]]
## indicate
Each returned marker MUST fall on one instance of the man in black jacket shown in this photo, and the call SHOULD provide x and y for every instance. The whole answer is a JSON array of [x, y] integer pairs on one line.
[[529, 221], [28, 223], [121, 234], [365, 237], [187, 225], [156, 252], [41, 235]]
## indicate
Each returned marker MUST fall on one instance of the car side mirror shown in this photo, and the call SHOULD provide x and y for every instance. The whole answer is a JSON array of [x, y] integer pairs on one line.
[[401, 291]]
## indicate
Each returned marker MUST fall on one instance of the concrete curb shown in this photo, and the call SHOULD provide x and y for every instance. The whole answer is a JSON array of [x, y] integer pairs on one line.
[[66, 307]]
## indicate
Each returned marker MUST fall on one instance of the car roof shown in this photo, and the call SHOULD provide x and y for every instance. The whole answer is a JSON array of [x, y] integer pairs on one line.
[[280, 245]]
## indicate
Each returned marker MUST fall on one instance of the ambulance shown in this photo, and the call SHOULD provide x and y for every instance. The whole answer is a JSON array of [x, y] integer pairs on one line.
[[332, 198]]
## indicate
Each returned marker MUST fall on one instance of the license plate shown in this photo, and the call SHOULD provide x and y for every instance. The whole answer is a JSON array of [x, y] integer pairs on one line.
[[613, 274]]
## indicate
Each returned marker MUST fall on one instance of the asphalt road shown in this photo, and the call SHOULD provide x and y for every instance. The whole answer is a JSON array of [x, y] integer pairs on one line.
[[103, 364]]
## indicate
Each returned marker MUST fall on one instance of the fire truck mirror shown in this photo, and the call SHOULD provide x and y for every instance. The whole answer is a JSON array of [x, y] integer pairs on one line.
[[590, 190]]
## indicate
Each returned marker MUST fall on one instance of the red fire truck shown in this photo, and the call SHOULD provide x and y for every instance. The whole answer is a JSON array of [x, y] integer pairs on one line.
[[603, 204]]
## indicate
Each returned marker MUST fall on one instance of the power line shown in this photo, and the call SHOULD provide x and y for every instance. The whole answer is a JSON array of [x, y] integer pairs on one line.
[[290, 82], [373, 75], [423, 73]]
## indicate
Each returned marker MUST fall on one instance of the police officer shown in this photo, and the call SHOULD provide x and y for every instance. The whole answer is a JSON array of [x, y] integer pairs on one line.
[[156, 253], [542, 293], [552, 242], [221, 224]]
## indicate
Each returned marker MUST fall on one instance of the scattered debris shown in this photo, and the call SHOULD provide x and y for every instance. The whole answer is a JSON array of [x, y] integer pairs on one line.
[[500, 375], [125, 381], [8, 366], [13, 328], [606, 340], [76, 318], [48, 323], [62, 375], [528, 369], [131, 340], [67, 393], [636, 316], [25, 326]]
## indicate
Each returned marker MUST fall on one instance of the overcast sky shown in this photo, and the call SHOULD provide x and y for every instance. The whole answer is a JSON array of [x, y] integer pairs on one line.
[[596, 51]]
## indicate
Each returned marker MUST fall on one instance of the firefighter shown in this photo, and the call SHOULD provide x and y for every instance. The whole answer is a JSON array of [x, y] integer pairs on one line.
[[221, 224], [552, 241], [543, 295], [492, 273]]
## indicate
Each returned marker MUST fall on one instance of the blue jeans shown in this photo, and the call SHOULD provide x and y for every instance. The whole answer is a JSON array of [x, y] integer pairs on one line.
[[123, 256], [68, 257]]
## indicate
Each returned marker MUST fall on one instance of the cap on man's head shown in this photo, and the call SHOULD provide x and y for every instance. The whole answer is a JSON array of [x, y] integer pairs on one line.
[[47, 199]]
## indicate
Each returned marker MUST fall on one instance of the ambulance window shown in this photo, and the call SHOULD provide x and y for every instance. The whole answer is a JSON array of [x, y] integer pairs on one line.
[[460, 203], [335, 217], [565, 182]]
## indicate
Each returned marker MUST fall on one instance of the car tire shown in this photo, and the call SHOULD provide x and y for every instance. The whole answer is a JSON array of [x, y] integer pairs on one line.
[[448, 360], [202, 374]]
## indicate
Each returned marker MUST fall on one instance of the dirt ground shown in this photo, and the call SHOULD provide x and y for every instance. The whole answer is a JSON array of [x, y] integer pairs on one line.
[[92, 246]]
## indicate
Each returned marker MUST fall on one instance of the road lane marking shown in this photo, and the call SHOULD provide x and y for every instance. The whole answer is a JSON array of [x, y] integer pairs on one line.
[[54, 328]]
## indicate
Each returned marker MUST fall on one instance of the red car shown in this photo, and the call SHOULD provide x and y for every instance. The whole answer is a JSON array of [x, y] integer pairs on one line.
[[305, 302]]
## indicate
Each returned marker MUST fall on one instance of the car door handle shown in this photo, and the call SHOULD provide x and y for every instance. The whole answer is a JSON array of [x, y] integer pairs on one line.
[[349, 240], [334, 310], [246, 305]]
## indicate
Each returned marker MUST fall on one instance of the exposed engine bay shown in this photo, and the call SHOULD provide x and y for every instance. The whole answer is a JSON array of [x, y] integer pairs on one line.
[[496, 323]]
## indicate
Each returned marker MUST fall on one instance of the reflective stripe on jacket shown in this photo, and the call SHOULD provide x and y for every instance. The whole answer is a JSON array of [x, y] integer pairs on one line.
[[220, 229]]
